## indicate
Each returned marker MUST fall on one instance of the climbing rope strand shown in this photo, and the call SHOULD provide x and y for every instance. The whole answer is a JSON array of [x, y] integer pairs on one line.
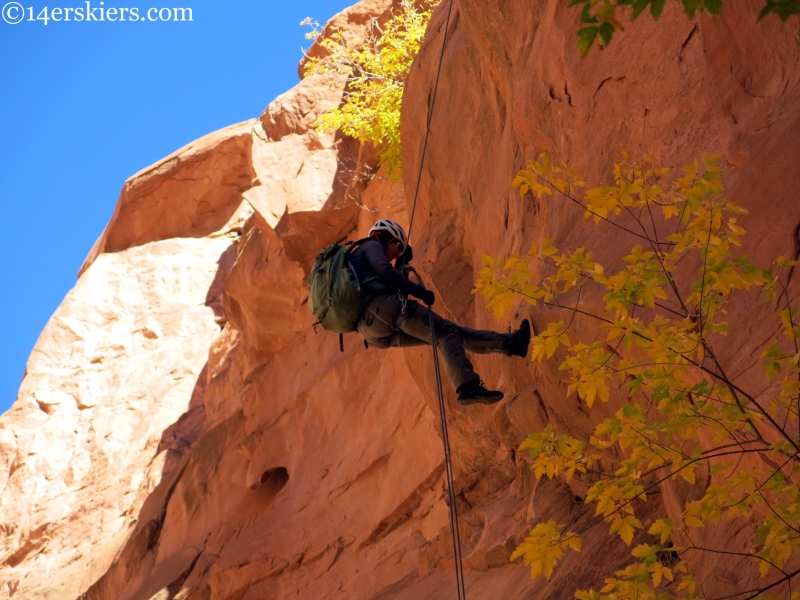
[[451, 490], [448, 465], [448, 461], [430, 117]]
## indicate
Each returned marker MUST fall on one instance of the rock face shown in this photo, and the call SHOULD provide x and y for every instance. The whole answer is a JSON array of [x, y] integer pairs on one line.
[[86, 440], [182, 432], [675, 88]]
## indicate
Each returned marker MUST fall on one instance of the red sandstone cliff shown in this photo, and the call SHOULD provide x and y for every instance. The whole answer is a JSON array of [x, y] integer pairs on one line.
[[182, 432]]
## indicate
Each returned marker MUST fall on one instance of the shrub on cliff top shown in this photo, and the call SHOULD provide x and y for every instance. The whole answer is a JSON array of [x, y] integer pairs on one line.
[[376, 72], [686, 413]]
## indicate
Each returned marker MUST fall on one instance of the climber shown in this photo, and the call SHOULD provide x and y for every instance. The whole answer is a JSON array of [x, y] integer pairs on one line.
[[390, 320]]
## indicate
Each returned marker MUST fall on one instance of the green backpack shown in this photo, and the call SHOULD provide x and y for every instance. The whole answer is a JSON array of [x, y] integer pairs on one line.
[[335, 297]]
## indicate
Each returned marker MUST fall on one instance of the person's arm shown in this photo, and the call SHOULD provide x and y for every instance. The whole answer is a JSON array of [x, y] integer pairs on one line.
[[377, 258]]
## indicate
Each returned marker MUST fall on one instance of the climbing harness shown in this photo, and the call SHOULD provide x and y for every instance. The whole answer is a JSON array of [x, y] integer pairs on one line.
[[448, 463]]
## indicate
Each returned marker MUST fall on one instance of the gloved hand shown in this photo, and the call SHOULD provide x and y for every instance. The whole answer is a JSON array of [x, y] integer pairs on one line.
[[427, 297]]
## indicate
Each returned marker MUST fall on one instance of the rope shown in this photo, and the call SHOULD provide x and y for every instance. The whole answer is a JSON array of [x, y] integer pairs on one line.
[[448, 462], [430, 116], [448, 465]]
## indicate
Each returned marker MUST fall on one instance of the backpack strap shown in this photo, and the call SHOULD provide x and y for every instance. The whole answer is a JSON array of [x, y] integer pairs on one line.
[[341, 342], [351, 246]]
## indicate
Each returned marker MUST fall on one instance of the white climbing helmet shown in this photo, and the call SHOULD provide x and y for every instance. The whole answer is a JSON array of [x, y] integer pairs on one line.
[[394, 229]]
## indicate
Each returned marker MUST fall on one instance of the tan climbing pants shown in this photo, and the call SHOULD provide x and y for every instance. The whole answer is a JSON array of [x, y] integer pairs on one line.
[[384, 325]]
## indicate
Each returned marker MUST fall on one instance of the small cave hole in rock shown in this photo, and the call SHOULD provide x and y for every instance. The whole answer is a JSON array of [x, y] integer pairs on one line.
[[274, 480]]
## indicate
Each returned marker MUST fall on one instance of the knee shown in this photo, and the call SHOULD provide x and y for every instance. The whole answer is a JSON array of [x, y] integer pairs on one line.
[[448, 328], [449, 333]]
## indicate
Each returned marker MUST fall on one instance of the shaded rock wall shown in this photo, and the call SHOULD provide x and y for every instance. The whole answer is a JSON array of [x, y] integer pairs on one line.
[[513, 85], [183, 433]]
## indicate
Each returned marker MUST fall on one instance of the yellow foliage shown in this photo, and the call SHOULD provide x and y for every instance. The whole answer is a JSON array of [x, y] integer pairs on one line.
[[544, 547], [626, 527], [662, 528], [554, 454], [684, 414], [376, 72]]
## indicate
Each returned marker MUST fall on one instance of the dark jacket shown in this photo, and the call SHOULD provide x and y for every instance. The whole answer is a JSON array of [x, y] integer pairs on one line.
[[375, 273]]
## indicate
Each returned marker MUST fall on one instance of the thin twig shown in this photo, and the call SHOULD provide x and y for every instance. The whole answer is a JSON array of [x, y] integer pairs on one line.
[[587, 209]]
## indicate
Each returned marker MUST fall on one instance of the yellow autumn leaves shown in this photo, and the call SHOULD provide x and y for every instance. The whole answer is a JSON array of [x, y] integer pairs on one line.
[[375, 78], [556, 454], [684, 415], [544, 547]]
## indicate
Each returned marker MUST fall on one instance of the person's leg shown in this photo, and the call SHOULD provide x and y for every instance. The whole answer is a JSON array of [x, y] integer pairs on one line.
[[383, 324], [479, 341], [483, 341], [403, 340], [415, 325]]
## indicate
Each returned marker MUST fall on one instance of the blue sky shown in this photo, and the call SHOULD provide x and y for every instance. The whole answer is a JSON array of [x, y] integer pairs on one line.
[[87, 104]]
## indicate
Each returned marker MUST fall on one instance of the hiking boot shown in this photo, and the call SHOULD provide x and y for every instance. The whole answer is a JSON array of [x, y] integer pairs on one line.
[[473, 392], [520, 339]]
